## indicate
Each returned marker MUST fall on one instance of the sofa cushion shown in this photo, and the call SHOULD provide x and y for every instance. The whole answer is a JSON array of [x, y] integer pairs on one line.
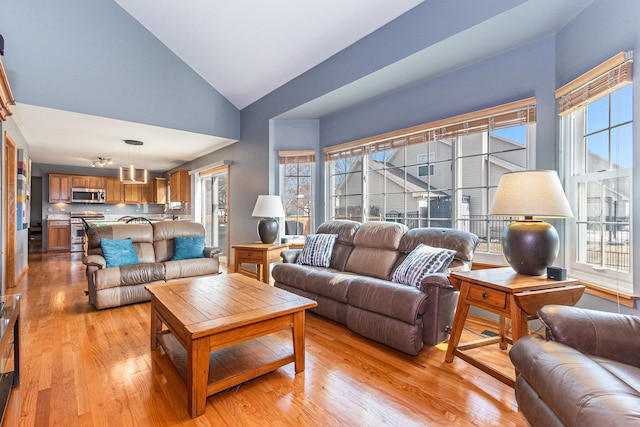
[[422, 261], [317, 250], [165, 232], [141, 235], [346, 231], [375, 249], [188, 247], [463, 242], [118, 252], [390, 299], [319, 280], [193, 267], [125, 275]]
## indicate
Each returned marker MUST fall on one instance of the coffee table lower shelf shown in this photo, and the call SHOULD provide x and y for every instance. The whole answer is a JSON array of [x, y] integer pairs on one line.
[[231, 366]]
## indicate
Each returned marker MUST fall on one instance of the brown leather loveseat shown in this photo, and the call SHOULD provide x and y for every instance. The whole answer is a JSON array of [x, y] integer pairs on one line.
[[154, 246], [357, 290], [587, 373]]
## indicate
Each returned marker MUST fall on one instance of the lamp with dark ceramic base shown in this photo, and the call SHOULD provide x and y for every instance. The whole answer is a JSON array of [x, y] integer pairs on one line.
[[269, 208]]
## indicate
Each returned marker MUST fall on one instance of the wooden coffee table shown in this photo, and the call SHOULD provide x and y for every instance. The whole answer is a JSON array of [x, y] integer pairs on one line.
[[217, 331]]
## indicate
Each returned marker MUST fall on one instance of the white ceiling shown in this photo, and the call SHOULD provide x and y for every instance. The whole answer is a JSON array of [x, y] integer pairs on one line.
[[255, 46], [248, 55]]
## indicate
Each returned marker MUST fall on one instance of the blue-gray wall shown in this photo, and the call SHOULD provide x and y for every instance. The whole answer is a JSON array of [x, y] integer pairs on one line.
[[92, 57]]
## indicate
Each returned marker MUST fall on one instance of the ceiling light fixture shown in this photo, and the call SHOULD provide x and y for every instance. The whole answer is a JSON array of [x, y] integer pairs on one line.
[[131, 175], [101, 162]]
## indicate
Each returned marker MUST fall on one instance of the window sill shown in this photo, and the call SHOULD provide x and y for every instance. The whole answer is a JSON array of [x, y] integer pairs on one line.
[[609, 294]]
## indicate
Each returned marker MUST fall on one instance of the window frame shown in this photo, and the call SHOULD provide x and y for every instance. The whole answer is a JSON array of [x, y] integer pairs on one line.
[[298, 157], [452, 130], [573, 136]]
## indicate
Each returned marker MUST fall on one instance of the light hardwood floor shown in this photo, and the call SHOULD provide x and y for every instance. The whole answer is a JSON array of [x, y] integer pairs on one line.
[[82, 367]]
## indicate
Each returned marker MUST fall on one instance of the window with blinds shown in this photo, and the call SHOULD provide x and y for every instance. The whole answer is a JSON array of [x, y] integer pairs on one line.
[[596, 117], [439, 174], [296, 190]]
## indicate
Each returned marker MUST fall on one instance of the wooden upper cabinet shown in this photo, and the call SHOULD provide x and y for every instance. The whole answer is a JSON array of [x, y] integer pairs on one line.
[[59, 188], [134, 193], [96, 182], [158, 191], [88, 181], [114, 191], [180, 186]]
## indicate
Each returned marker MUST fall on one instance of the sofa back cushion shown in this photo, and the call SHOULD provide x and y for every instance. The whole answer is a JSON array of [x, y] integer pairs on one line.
[[463, 242], [164, 233], [375, 249], [346, 231], [141, 236]]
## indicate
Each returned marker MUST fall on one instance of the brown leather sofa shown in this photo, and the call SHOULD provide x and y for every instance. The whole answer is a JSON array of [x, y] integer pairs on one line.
[[154, 246], [586, 373], [356, 289]]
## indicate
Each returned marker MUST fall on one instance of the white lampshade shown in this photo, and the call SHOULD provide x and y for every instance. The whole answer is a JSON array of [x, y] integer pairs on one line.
[[268, 207], [533, 193]]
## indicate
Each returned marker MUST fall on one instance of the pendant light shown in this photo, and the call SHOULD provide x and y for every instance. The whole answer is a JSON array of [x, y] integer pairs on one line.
[[131, 175]]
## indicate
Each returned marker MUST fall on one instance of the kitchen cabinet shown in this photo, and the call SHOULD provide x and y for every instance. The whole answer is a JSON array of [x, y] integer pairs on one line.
[[59, 188], [88, 181], [158, 190], [58, 235], [114, 191], [180, 186], [134, 193]]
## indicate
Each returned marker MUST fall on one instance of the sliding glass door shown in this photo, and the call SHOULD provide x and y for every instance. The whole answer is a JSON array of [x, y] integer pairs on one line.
[[214, 187]]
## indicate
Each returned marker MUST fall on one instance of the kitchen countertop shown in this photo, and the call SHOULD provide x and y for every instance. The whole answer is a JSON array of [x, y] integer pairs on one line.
[[58, 217]]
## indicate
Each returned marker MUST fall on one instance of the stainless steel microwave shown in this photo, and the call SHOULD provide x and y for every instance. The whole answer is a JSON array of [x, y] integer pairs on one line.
[[88, 195]]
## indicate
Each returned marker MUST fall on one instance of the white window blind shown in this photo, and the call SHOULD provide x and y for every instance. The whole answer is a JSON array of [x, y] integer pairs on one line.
[[298, 156], [607, 77], [502, 116]]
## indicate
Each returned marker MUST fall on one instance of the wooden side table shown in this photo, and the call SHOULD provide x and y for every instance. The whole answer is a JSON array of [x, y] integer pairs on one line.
[[260, 254], [510, 295]]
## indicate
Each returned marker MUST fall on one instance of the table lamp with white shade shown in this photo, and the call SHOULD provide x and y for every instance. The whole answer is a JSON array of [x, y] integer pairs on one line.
[[268, 208], [530, 245]]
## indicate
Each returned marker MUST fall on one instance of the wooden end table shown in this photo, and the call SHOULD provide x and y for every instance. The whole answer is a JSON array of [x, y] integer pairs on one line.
[[218, 327], [260, 254], [509, 295]]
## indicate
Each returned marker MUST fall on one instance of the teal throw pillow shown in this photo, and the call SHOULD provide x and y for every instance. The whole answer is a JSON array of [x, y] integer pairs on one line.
[[118, 252], [188, 247]]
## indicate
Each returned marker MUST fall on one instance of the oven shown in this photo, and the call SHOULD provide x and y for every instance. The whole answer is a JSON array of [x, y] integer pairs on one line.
[[78, 228], [77, 235]]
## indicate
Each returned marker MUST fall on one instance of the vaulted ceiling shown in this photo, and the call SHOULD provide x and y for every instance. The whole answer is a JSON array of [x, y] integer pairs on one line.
[[246, 49]]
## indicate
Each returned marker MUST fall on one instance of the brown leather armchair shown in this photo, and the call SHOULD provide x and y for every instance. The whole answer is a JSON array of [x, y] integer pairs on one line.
[[586, 373]]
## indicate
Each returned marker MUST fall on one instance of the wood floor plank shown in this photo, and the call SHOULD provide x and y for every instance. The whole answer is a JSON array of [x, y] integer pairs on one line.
[[82, 367]]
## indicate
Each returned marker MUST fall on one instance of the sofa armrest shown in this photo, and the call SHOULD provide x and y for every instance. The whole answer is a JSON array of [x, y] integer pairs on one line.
[[442, 298], [610, 335], [95, 261], [211, 251], [290, 255], [438, 280]]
